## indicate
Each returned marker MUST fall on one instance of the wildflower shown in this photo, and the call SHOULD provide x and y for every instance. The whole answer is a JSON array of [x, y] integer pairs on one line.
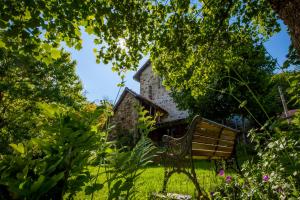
[[266, 178], [212, 194], [221, 172], [228, 179]]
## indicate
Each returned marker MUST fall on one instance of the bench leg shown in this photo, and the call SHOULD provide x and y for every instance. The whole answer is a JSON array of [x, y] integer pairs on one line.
[[195, 180], [167, 176], [192, 176]]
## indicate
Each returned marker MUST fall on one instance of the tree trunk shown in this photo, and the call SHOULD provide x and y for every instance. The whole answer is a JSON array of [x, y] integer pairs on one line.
[[289, 12]]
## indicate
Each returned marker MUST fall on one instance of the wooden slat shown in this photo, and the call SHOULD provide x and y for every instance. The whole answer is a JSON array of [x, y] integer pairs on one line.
[[207, 122], [211, 128], [212, 147], [209, 140], [223, 137], [207, 132], [212, 140], [199, 152], [229, 133], [226, 134], [208, 158]]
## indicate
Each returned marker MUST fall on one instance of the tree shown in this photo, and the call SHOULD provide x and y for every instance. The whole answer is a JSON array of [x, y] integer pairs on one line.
[[227, 90], [292, 59], [200, 40], [289, 12], [37, 28], [25, 82]]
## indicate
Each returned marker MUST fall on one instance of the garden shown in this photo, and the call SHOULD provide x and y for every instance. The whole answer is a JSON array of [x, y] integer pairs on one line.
[[212, 59]]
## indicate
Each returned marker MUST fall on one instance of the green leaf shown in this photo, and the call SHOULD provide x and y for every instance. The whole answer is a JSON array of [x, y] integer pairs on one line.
[[52, 182], [89, 29], [90, 189], [50, 110], [243, 104], [55, 53], [37, 184], [2, 44], [53, 167], [21, 186], [19, 148], [27, 15]]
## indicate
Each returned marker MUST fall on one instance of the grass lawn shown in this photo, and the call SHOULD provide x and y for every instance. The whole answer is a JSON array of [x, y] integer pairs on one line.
[[152, 179]]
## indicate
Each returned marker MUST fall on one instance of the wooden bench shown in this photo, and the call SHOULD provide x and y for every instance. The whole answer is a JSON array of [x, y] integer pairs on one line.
[[204, 139]]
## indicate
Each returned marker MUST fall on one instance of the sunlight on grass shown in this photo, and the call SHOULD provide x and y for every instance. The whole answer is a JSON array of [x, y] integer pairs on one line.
[[152, 179]]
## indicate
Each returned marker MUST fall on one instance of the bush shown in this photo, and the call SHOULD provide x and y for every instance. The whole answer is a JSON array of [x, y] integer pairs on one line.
[[275, 174], [55, 162]]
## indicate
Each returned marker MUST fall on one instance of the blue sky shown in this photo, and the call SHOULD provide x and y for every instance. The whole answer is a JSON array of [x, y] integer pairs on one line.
[[100, 82]]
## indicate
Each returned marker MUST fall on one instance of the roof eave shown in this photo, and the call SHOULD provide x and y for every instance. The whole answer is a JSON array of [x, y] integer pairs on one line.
[[137, 75], [140, 98]]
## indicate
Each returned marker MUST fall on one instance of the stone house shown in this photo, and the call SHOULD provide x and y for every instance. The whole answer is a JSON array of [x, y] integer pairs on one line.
[[153, 97]]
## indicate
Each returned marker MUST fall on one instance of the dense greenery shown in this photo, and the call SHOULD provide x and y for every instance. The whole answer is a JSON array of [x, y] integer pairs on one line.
[[225, 90], [209, 53], [274, 172], [54, 161], [24, 83], [38, 28]]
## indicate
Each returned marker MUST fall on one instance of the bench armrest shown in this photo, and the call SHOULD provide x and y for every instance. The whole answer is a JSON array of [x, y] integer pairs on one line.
[[175, 146]]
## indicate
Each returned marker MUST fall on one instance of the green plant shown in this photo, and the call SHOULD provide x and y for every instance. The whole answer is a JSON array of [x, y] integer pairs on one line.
[[55, 162], [274, 173], [294, 89], [126, 166], [124, 139]]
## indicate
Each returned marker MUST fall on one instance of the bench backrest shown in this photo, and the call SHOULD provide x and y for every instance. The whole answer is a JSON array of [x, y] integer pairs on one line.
[[211, 140]]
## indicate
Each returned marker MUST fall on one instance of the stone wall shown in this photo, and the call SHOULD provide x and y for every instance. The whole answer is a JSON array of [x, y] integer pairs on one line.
[[125, 116], [151, 88]]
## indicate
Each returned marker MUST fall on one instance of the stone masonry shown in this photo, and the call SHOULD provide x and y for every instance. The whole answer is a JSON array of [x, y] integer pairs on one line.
[[126, 115], [151, 88]]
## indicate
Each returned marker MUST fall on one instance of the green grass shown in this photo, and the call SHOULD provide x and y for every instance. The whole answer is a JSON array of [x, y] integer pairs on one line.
[[151, 180]]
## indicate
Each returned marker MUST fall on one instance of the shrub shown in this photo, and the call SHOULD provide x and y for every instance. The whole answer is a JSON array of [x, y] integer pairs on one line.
[[55, 162], [275, 173]]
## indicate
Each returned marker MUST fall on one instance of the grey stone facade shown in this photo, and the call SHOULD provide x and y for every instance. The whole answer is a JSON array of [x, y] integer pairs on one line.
[[126, 115], [151, 87], [153, 97]]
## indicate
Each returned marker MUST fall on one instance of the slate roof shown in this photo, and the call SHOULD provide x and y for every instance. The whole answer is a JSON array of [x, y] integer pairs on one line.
[[138, 97], [137, 75]]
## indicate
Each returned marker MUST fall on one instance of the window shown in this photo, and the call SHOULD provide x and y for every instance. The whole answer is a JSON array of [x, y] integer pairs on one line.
[[160, 80], [150, 92]]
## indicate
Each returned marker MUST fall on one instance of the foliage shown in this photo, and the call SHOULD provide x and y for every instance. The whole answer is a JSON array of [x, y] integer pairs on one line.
[[54, 162], [187, 44], [124, 138], [207, 34], [294, 90], [24, 82], [226, 90], [23, 77], [127, 166], [215, 50], [275, 171], [179, 35], [38, 28], [293, 59]]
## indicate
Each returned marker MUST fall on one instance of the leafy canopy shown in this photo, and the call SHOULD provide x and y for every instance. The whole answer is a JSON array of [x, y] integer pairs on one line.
[[37, 28]]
